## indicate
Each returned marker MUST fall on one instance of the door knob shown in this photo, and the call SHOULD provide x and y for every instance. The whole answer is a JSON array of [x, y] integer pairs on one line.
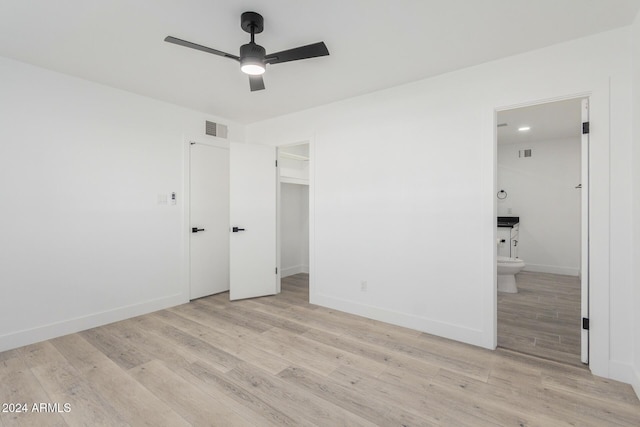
[[196, 229], [236, 229]]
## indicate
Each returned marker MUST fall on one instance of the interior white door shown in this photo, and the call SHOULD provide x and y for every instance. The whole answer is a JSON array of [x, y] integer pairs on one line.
[[253, 217], [209, 219], [584, 261]]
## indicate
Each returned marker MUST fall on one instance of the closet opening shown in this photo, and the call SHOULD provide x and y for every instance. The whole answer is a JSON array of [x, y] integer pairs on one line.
[[293, 218]]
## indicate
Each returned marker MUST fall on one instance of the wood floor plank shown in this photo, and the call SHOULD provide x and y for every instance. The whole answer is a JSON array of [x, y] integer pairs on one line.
[[65, 386], [242, 395], [505, 405], [303, 315], [241, 346], [6, 355], [189, 343], [543, 318], [267, 319], [591, 412], [612, 392], [393, 389], [279, 360], [318, 351], [157, 347], [131, 401], [18, 385], [193, 404], [230, 316], [298, 404], [424, 352], [295, 355], [354, 346], [366, 406], [126, 355], [215, 318]]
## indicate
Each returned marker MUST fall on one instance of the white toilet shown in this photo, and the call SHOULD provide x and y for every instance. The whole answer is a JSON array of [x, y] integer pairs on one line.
[[507, 270]]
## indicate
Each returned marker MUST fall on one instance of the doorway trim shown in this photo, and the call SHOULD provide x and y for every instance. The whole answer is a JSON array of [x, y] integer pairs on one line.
[[586, 224]]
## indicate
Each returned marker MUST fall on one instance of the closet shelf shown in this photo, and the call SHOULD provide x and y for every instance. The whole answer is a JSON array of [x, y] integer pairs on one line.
[[286, 155], [292, 180]]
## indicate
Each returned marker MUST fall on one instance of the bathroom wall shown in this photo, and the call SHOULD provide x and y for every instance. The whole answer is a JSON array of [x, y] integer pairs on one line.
[[294, 229], [83, 170], [541, 191]]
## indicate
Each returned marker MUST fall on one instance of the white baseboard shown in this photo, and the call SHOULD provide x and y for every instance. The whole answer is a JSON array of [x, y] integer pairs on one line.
[[70, 326], [625, 373], [290, 271], [553, 269], [430, 326], [636, 383]]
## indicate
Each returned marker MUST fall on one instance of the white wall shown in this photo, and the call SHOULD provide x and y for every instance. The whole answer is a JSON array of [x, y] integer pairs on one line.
[[404, 193], [636, 198], [541, 191], [84, 240], [294, 229]]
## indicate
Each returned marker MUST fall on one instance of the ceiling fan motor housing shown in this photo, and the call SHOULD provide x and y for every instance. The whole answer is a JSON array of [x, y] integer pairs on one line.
[[252, 58], [252, 51]]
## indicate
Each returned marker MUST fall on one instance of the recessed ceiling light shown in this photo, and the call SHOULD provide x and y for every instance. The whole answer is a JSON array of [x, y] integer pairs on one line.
[[524, 128]]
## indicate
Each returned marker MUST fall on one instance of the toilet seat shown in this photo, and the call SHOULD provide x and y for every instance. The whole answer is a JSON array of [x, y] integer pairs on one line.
[[507, 260]]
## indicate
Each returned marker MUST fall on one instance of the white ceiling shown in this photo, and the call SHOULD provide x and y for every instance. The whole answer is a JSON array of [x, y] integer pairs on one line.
[[554, 120], [374, 44]]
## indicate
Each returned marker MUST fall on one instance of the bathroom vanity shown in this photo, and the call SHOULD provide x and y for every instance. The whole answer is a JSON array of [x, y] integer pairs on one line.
[[508, 229]]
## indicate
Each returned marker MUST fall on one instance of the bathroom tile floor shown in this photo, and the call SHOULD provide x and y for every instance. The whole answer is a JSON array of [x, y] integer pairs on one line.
[[543, 318]]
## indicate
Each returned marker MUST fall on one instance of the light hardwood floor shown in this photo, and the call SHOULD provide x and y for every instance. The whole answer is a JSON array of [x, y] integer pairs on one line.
[[281, 361], [543, 318]]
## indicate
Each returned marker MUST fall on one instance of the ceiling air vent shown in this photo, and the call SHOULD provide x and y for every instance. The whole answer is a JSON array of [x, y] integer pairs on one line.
[[216, 129]]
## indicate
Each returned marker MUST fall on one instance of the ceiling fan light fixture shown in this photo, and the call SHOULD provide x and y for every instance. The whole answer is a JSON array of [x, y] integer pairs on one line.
[[252, 68], [252, 59]]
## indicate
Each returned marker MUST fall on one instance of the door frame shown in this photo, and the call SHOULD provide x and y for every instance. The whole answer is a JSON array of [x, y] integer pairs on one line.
[[311, 141], [186, 204], [584, 229], [584, 217]]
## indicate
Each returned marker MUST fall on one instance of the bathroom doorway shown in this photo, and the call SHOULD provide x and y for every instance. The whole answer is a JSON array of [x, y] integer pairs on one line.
[[542, 186], [293, 217]]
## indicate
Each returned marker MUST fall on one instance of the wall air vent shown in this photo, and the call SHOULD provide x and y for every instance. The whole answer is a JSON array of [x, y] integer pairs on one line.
[[216, 129]]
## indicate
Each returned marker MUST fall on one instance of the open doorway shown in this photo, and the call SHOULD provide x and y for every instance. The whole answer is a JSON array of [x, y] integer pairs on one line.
[[293, 166], [542, 218]]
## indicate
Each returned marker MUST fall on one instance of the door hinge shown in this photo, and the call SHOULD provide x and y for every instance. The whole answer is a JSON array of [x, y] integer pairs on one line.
[[585, 323], [276, 270], [585, 128], [276, 163]]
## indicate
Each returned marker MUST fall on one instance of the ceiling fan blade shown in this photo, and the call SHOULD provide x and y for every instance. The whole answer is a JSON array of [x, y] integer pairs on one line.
[[302, 52], [200, 47], [256, 83]]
